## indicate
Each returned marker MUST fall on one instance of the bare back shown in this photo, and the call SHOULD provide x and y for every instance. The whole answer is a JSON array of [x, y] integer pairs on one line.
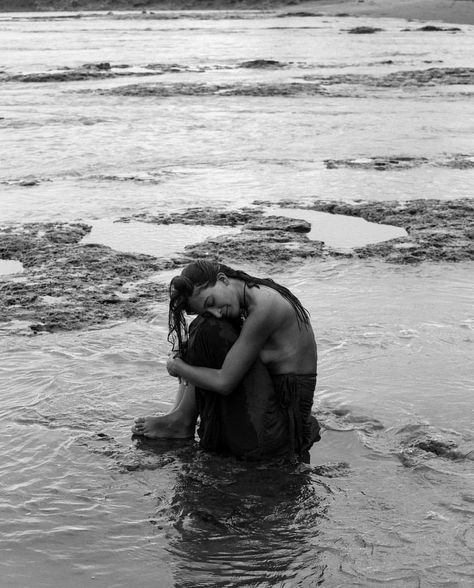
[[290, 347]]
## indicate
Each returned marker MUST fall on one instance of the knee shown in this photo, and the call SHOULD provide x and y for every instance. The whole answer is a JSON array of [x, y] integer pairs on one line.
[[210, 340]]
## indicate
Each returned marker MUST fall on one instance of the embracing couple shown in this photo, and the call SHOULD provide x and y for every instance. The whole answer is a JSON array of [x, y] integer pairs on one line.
[[246, 365]]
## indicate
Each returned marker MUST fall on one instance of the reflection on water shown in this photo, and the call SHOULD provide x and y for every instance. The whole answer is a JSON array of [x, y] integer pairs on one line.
[[241, 524]]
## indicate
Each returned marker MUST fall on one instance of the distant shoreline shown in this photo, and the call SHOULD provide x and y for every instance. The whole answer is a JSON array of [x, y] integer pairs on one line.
[[450, 11]]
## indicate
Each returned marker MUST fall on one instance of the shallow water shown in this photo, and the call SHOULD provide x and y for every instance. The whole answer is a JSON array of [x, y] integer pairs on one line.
[[389, 496]]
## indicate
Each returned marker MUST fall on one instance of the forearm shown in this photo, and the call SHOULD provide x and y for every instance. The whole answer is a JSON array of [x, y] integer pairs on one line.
[[203, 377]]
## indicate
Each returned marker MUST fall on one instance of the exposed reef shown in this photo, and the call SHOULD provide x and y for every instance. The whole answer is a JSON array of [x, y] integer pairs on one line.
[[66, 285], [438, 230], [435, 29], [263, 239], [300, 14], [312, 85], [166, 90], [456, 161], [250, 218], [88, 71], [364, 30], [421, 77], [262, 64], [420, 444]]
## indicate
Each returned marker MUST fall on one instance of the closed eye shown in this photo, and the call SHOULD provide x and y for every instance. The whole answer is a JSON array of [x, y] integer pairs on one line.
[[209, 302]]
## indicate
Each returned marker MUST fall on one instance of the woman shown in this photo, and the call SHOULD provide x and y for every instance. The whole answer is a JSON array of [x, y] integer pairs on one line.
[[249, 363]]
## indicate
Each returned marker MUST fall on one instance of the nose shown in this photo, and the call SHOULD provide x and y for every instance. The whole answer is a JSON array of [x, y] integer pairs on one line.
[[215, 312]]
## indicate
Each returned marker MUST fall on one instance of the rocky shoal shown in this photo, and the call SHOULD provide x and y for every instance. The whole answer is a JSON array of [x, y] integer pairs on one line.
[[338, 85], [69, 285]]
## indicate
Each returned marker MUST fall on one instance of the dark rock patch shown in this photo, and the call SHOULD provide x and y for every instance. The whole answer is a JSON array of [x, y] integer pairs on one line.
[[66, 285], [88, 71], [430, 76], [201, 216], [278, 223], [364, 30], [378, 163], [262, 64], [301, 14], [238, 89], [268, 247], [434, 28], [312, 85], [421, 446], [438, 230]]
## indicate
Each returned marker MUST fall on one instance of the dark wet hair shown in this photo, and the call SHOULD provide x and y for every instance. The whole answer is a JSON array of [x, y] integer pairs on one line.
[[204, 273]]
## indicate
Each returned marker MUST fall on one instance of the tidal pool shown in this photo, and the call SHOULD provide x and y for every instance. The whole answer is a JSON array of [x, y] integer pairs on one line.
[[158, 240], [10, 266], [340, 231]]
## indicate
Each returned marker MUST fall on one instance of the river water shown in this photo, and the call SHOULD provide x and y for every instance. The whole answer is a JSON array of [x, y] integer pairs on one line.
[[389, 496]]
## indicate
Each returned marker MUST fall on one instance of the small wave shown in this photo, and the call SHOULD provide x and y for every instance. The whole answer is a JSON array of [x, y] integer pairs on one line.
[[344, 418], [416, 444]]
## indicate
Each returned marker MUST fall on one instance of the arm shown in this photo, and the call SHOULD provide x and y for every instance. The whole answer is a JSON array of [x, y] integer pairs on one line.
[[257, 328]]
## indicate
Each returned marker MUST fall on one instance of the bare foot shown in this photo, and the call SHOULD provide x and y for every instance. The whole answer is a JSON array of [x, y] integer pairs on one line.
[[168, 426]]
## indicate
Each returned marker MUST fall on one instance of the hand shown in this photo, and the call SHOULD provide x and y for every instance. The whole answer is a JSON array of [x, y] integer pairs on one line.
[[171, 365]]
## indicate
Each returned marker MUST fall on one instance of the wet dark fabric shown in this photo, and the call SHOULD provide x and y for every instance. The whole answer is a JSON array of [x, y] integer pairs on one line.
[[264, 416]]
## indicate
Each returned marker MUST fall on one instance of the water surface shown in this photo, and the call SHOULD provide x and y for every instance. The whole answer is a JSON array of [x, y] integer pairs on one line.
[[388, 498]]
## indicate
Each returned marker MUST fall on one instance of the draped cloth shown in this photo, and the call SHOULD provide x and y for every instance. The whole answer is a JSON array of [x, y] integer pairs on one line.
[[264, 416]]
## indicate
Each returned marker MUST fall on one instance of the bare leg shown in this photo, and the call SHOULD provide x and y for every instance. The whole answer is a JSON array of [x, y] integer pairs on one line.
[[179, 423]]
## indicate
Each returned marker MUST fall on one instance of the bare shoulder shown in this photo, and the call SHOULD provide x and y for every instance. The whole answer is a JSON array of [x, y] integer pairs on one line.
[[266, 301]]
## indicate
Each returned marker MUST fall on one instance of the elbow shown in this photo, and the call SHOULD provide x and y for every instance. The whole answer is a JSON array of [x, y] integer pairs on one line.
[[226, 389], [226, 386]]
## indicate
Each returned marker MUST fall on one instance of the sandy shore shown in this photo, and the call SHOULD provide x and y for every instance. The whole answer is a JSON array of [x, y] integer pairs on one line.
[[452, 11]]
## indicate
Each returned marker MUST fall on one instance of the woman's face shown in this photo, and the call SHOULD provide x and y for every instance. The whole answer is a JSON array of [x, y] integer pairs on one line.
[[220, 300]]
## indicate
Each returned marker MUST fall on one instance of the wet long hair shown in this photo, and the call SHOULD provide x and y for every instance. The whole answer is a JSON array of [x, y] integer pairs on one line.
[[204, 273]]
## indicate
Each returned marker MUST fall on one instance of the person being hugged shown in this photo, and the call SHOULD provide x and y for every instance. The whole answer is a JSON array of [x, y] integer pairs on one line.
[[247, 365]]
